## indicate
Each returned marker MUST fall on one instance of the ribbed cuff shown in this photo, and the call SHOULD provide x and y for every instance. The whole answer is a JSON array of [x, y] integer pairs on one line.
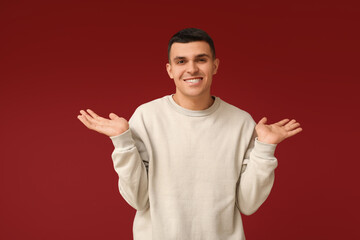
[[123, 141], [264, 150]]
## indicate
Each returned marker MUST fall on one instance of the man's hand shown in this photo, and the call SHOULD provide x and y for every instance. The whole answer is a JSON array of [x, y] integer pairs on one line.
[[110, 127], [277, 132]]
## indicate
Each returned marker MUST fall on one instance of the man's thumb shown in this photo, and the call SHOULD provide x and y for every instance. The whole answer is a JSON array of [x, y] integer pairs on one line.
[[113, 116], [263, 120]]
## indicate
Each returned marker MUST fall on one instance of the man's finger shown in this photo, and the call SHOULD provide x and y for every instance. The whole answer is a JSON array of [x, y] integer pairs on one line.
[[263, 120], [113, 116], [282, 122], [290, 123], [83, 119], [84, 113], [293, 126], [293, 132], [92, 113], [90, 120]]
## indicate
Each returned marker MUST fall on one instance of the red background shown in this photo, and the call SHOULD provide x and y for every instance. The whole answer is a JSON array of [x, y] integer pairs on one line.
[[277, 59]]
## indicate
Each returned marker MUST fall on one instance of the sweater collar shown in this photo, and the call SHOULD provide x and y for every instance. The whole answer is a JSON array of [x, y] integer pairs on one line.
[[194, 113]]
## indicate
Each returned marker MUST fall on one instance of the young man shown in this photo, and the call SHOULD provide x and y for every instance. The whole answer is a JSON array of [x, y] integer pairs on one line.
[[189, 162]]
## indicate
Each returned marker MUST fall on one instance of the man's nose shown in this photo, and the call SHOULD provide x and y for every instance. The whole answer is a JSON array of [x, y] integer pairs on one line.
[[192, 67]]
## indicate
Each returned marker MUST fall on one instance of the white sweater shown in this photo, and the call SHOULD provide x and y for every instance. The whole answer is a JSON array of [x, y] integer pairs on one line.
[[189, 174]]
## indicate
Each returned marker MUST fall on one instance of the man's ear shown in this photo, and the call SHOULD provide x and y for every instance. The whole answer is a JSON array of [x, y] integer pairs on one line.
[[216, 65], [168, 69]]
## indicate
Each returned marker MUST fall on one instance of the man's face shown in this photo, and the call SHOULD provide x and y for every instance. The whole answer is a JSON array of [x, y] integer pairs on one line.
[[192, 67]]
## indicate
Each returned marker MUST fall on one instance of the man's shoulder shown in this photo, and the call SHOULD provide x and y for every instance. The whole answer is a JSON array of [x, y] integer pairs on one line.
[[152, 107], [231, 110], [153, 104], [148, 111]]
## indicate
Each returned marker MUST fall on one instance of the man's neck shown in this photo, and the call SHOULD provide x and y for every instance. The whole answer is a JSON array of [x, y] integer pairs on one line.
[[194, 103]]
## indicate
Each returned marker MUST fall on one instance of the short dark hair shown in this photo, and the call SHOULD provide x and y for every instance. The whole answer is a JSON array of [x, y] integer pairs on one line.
[[191, 35]]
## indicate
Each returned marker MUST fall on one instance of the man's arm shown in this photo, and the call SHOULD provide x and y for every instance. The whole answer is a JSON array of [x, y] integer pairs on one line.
[[257, 175], [129, 156]]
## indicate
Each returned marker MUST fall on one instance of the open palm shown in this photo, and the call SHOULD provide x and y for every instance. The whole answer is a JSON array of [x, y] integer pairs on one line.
[[110, 127], [277, 132]]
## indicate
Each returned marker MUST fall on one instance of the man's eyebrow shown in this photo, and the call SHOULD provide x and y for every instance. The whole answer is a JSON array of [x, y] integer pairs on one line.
[[202, 55], [179, 57], [197, 56]]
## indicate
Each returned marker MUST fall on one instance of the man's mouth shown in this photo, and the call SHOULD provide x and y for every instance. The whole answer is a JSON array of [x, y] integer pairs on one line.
[[193, 80]]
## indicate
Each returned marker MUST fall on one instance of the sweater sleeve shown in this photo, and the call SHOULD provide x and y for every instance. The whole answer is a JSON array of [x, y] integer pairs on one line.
[[131, 162], [257, 176]]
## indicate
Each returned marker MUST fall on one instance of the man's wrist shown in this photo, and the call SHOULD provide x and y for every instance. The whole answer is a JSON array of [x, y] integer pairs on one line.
[[264, 149]]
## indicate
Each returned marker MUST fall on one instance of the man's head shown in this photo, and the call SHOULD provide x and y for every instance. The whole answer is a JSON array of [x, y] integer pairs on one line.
[[192, 63], [191, 35]]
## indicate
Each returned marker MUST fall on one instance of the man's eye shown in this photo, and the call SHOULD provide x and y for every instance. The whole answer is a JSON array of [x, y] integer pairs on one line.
[[202, 60], [180, 62]]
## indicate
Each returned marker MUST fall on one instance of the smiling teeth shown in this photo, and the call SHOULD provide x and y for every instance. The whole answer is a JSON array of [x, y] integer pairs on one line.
[[193, 80]]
